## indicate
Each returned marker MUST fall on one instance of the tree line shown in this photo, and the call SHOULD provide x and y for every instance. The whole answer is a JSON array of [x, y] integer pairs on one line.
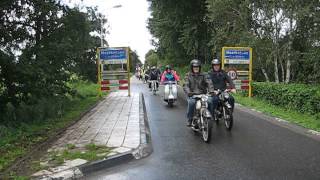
[[44, 46], [284, 34]]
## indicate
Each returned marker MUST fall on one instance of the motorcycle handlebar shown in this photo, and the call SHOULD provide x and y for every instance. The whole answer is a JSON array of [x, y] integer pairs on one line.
[[200, 95], [218, 91], [169, 82]]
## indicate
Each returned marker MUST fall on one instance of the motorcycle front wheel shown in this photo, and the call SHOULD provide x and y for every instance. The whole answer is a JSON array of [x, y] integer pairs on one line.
[[228, 119], [154, 88], [206, 130], [216, 117]]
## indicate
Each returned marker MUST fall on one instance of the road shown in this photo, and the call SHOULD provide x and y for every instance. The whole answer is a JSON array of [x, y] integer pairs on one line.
[[255, 149]]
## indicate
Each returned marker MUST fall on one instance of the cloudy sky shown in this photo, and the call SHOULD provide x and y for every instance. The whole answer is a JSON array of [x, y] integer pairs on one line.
[[127, 23]]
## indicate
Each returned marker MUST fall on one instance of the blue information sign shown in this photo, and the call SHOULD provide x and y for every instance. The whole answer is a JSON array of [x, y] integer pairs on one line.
[[237, 54], [113, 54]]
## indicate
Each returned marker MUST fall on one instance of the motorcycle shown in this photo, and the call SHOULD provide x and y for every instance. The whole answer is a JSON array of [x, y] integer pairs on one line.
[[224, 110], [170, 92], [202, 121], [154, 88]]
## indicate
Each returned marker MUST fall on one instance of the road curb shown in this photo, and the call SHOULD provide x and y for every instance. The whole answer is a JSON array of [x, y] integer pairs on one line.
[[143, 150]]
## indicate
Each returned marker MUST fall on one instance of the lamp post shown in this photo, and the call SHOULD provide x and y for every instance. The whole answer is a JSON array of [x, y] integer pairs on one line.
[[102, 23]]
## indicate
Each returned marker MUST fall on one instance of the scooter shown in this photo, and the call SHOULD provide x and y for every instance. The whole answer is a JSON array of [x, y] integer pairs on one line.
[[170, 92]]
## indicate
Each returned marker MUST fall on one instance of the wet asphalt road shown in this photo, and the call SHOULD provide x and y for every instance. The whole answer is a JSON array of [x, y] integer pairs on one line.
[[255, 149]]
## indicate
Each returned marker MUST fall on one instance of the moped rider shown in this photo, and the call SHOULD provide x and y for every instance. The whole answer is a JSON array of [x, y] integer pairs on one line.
[[154, 76], [169, 75]]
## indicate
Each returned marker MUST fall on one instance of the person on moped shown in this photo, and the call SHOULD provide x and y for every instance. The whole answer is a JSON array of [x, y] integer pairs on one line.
[[154, 75], [196, 83], [220, 79], [146, 74], [169, 75]]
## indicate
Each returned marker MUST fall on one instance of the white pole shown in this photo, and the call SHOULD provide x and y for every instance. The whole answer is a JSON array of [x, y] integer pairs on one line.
[[101, 35]]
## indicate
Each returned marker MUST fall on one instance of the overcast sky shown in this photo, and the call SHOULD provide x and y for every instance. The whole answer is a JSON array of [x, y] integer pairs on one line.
[[127, 23]]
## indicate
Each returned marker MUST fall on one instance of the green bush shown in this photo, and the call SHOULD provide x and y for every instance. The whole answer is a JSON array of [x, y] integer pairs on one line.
[[23, 125], [45, 108], [301, 97]]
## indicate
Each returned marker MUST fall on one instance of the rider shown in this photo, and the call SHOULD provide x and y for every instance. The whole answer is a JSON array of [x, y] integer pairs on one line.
[[154, 75], [139, 72], [169, 75], [220, 79], [196, 83], [146, 74]]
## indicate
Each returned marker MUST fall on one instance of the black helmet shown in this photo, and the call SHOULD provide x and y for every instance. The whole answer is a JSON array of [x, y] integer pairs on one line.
[[195, 63], [168, 67], [215, 62]]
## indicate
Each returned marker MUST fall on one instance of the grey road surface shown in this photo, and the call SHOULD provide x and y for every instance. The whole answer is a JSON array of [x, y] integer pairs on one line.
[[255, 149]]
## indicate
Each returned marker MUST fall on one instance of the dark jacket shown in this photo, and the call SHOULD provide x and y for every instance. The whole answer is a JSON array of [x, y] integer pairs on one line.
[[220, 79], [197, 83], [147, 72], [154, 74]]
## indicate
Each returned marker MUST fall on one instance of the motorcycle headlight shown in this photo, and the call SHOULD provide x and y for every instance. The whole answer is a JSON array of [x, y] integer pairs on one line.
[[204, 98], [198, 105], [226, 96]]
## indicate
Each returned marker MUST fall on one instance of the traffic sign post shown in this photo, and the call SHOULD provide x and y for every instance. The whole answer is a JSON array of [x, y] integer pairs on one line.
[[113, 69], [237, 61]]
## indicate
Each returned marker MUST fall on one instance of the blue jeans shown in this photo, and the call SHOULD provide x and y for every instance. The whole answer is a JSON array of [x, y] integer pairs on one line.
[[192, 104], [215, 102]]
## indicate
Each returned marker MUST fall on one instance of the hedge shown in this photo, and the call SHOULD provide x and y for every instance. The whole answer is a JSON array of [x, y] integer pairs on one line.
[[301, 97]]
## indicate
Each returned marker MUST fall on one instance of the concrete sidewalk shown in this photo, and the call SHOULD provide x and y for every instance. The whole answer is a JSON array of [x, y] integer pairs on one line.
[[115, 123]]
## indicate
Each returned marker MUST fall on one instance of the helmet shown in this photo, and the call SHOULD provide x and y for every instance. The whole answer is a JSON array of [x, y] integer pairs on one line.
[[168, 67], [215, 62], [195, 63], [153, 67]]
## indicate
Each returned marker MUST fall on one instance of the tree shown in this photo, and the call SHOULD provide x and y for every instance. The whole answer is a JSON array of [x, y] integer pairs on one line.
[[152, 58], [284, 34], [180, 30], [43, 44], [134, 60]]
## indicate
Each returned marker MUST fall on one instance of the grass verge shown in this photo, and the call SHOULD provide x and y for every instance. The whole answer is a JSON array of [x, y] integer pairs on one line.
[[304, 120], [91, 152], [18, 141]]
